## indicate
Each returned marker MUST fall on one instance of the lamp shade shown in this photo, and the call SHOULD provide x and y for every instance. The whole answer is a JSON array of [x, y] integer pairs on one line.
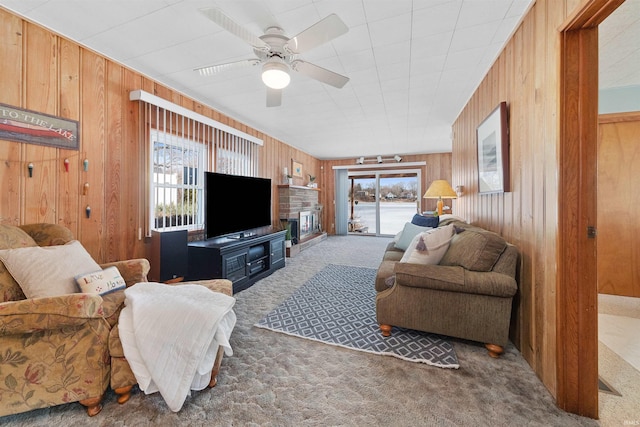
[[439, 189]]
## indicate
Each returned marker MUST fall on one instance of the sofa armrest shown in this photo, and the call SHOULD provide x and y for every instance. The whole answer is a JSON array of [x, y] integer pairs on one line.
[[35, 314], [133, 271], [455, 279], [490, 283]]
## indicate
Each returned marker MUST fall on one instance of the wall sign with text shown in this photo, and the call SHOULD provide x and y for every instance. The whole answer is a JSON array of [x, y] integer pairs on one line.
[[17, 124]]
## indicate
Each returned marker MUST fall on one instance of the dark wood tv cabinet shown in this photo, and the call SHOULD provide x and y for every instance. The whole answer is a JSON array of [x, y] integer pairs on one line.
[[243, 261]]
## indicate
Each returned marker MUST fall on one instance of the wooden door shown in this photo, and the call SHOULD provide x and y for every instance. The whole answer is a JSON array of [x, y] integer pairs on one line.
[[619, 204]]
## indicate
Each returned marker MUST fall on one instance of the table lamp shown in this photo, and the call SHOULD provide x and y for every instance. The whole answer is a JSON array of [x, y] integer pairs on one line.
[[437, 190]]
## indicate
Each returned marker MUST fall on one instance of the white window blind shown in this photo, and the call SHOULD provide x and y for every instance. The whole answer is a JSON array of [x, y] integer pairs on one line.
[[181, 145]]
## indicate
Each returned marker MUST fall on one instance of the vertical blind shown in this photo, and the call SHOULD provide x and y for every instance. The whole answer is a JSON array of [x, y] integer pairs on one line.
[[180, 146]]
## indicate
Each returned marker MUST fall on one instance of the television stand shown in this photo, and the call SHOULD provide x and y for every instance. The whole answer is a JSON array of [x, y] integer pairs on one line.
[[244, 262]]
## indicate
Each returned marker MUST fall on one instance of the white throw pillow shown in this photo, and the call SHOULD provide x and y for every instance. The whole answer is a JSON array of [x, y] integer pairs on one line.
[[429, 247], [48, 271], [408, 233], [101, 282]]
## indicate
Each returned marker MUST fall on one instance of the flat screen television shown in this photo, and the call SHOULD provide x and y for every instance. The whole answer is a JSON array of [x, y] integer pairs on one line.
[[235, 204]]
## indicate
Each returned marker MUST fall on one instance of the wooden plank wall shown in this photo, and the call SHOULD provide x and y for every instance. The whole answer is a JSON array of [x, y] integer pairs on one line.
[[525, 75], [47, 73]]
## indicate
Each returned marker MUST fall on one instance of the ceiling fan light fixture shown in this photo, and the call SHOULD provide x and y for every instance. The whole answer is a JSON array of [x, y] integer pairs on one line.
[[275, 74]]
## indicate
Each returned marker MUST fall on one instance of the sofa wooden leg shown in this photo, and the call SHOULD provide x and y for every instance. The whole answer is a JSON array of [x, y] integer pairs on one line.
[[93, 404], [494, 350], [386, 330], [124, 393], [214, 379]]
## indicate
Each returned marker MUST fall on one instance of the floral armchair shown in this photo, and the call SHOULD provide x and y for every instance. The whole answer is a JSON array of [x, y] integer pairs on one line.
[[55, 349]]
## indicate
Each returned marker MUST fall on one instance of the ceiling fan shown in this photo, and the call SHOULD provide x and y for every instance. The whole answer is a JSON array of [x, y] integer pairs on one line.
[[278, 53]]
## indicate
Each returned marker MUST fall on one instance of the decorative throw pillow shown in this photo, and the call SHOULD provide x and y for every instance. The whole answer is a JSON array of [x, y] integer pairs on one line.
[[425, 221], [428, 247], [476, 250], [101, 282], [408, 233], [48, 271]]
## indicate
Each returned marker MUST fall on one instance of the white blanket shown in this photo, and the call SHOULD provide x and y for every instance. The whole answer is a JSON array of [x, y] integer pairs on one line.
[[170, 336]]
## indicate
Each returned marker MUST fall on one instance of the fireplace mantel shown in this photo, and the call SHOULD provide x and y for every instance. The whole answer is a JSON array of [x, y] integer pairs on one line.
[[301, 187]]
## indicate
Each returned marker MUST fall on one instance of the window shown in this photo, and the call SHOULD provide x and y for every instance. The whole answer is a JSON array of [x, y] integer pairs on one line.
[[177, 184], [234, 162], [179, 147]]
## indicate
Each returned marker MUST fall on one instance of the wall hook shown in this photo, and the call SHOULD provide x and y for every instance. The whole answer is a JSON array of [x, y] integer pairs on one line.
[[85, 189], [87, 211], [30, 167]]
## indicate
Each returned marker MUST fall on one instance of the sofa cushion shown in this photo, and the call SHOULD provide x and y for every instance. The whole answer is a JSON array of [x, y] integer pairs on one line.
[[392, 254], [429, 247], [474, 249], [101, 282], [408, 233], [48, 271]]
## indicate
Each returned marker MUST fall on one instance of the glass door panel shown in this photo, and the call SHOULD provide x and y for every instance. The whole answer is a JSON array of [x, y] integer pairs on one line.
[[380, 203], [362, 205], [398, 202]]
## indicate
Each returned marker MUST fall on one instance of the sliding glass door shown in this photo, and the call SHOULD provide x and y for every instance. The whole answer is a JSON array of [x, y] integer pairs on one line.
[[381, 202]]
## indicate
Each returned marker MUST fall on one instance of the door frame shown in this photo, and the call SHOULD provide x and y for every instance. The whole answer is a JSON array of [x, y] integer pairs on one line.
[[577, 292]]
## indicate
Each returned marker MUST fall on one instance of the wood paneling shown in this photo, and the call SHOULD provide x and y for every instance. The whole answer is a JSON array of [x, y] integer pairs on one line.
[[619, 204], [40, 94], [12, 167], [525, 75], [550, 84], [47, 73]]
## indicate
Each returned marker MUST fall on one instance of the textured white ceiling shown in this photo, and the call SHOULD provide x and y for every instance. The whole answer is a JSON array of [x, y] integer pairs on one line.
[[413, 64]]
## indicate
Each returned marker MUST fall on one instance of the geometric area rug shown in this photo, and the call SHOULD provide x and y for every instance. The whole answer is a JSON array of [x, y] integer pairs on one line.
[[337, 306]]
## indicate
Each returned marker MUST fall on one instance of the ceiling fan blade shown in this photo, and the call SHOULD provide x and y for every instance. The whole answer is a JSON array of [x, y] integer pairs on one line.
[[214, 69], [319, 33], [217, 16], [274, 97], [318, 73]]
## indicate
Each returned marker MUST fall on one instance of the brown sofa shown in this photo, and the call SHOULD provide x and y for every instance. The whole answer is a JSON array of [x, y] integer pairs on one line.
[[467, 295]]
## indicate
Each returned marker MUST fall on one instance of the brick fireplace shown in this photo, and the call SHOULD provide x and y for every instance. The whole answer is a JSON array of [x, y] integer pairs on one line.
[[299, 206]]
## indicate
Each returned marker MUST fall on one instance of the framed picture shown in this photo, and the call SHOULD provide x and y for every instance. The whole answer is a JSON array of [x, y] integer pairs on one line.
[[296, 168], [493, 152]]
